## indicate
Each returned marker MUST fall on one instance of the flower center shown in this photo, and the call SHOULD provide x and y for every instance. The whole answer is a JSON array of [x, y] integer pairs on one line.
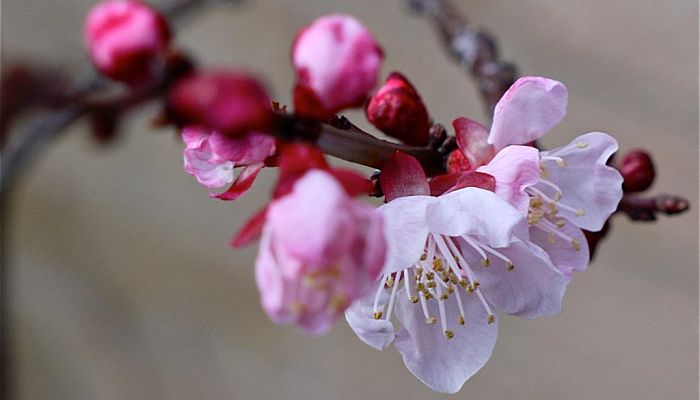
[[545, 203], [439, 276]]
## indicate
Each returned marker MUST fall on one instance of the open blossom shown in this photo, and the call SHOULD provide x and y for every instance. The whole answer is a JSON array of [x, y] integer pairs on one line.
[[127, 40], [574, 188], [337, 62], [452, 260], [211, 158], [319, 251]]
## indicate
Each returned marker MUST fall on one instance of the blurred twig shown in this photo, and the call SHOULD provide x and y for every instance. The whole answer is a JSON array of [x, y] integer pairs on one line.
[[475, 49]]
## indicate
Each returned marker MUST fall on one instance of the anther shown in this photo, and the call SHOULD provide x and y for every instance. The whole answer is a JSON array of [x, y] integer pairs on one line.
[[444, 296], [561, 223], [430, 320], [414, 299], [449, 334], [580, 212], [491, 319], [576, 244], [377, 315], [460, 320], [581, 145], [486, 262], [431, 284], [509, 265]]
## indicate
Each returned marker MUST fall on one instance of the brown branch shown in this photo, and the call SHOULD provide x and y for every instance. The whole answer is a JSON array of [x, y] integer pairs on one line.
[[347, 141], [475, 49]]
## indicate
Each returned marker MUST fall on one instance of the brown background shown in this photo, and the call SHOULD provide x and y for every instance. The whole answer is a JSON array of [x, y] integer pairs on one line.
[[123, 286]]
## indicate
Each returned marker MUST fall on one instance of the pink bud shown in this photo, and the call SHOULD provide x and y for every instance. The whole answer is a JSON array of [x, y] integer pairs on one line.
[[127, 40], [637, 169], [397, 110], [337, 62], [320, 250], [228, 102]]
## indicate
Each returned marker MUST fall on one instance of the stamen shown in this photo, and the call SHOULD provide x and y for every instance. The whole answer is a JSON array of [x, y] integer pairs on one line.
[[553, 230], [509, 263], [394, 289], [560, 161], [577, 211], [376, 297], [407, 288], [557, 190], [484, 260]]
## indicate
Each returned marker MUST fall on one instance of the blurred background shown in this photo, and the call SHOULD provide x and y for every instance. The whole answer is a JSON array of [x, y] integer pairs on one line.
[[122, 284]]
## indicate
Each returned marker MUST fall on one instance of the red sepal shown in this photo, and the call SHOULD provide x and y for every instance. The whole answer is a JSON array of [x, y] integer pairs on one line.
[[402, 175], [252, 229]]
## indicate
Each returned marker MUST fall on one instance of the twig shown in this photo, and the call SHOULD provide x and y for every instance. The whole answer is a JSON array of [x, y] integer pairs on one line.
[[28, 143], [640, 208], [475, 49]]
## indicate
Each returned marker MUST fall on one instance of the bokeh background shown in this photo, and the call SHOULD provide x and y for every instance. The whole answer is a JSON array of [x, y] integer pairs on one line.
[[123, 287]]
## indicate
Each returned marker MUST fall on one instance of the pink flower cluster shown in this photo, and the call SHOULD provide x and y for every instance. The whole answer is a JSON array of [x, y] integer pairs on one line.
[[500, 230]]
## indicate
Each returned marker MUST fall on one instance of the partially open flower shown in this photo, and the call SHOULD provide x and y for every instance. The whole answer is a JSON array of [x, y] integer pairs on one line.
[[232, 103], [337, 61], [211, 158], [397, 110], [127, 40], [320, 250]]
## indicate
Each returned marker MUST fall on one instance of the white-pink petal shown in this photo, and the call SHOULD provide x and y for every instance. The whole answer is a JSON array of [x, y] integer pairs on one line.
[[440, 363], [476, 212], [406, 231], [515, 168], [530, 108], [587, 183]]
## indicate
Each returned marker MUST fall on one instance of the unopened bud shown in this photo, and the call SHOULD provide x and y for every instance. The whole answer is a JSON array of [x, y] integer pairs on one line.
[[229, 102], [637, 169], [336, 61], [397, 110], [127, 40]]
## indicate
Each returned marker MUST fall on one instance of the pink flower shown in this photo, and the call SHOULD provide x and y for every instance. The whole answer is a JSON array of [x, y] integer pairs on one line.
[[450, 260], [320, 250], [232, 103], [127, 40], [337, 62], [574, 188], [211, 158]]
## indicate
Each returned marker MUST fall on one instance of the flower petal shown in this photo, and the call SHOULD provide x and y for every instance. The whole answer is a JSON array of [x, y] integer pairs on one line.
[[530, 108], [402, 175], [586, 182], [406, 231], [377, 333], [241, 185], [250, 148], [472, 139], [533, 288], [440, 363], [567, 257], [200, 161], [476, 212], [515, 168]]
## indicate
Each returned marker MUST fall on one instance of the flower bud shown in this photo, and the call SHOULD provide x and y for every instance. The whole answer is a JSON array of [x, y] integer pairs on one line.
[[127, 40], [337, 62], [229, 102], [397, 110], [637, 169]]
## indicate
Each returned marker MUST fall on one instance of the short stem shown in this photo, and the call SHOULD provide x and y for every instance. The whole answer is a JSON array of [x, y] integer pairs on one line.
[[353, 144]]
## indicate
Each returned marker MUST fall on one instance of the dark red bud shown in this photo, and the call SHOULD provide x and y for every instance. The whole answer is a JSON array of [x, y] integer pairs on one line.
[[397, 110], [229, 102], [637, 169]]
